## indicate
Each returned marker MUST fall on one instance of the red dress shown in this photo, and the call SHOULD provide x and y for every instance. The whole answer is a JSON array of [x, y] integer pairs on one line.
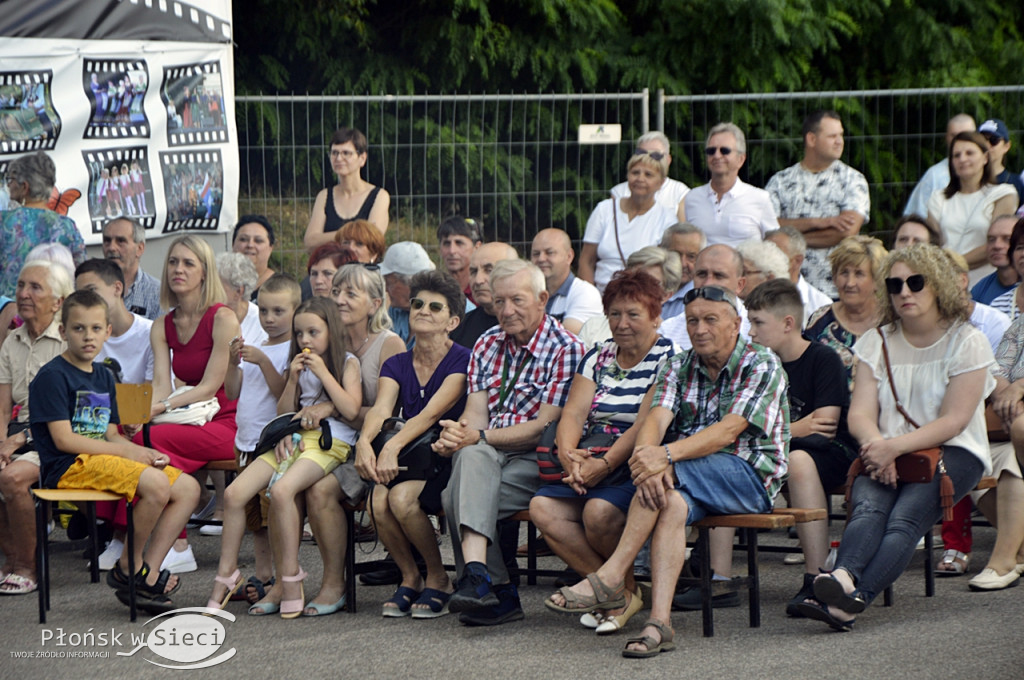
[[189, 446]]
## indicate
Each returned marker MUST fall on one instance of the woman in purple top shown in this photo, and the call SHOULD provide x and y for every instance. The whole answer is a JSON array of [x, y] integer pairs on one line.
[[428, 383]]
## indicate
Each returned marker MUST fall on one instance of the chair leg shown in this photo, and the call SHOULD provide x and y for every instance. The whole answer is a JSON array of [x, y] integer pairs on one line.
[[754, 586], [130, 547], [929, 572], [94, 566], [350, 561], [531, 554], [707, 613], [42, 575]]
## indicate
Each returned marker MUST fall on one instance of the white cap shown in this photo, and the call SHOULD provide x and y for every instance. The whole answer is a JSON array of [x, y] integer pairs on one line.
[[406, 258]]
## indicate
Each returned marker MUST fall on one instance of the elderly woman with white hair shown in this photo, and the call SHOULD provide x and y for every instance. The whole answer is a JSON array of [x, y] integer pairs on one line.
[[619, 227], [41, 289], [762, 261], [239, 277], [30, 181], [664, 265]]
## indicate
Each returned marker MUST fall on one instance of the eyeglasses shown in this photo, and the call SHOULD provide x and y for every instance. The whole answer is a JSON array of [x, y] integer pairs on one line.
[[710, 150], [346, 153], [993, 139], [435, 307], [656, 155], [895, 285], [711, 293]]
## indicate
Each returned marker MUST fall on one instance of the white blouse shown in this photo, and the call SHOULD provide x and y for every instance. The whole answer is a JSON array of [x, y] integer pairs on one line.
[[922, 375]]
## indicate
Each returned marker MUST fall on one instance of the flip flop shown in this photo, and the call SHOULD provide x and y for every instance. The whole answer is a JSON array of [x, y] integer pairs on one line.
[[402, 599], [653, 647], [16, 584], [828, 590], [324, 609], [819, 612], [435, 600]]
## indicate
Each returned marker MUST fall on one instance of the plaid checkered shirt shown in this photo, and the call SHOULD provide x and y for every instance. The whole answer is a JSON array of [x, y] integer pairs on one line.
[[752, 385], [539, 372]]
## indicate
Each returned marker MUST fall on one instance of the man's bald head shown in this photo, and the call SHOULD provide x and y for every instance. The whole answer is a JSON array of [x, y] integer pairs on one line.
[[552, 253], [719, 265]]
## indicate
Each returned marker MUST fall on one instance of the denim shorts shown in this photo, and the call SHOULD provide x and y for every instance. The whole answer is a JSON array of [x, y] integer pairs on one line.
[[720, 484]]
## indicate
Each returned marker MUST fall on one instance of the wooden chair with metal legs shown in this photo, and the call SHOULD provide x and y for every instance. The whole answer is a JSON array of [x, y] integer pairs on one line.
[[133, 406]]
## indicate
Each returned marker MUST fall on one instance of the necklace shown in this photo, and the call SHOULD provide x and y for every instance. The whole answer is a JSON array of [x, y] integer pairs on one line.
[[359, 350]]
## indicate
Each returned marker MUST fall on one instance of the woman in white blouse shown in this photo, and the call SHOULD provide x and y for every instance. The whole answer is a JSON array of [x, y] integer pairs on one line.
[[941, 371], [964, 209]]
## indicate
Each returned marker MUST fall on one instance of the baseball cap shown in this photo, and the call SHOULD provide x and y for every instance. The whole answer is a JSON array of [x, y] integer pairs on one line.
[[995, 127], [406, 258]]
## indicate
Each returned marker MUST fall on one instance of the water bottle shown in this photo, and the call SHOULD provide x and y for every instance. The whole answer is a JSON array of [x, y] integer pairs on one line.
[[830, 561]]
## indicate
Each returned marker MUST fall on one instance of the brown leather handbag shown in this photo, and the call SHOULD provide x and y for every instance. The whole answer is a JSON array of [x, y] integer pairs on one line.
[[914, 466]]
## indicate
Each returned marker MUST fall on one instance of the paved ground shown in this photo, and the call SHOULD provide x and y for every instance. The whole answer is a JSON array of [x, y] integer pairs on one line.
[[956, 634]]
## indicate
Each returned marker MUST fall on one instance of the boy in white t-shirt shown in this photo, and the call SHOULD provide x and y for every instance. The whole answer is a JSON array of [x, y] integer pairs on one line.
[[256, 378], [128, 344], [129, 339]]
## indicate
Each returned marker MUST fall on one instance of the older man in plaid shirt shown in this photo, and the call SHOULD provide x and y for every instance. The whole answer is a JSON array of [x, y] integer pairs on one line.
[[519, 377], [723, 409]]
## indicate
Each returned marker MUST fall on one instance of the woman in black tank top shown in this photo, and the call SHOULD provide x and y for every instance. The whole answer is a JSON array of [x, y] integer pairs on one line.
[[351, 198]]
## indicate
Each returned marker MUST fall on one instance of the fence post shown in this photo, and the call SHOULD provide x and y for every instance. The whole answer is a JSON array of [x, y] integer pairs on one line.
[[661, 109], [645, 107]]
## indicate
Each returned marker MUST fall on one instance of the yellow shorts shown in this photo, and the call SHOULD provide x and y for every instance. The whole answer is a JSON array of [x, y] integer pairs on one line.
[[328, 460], [108, 473]]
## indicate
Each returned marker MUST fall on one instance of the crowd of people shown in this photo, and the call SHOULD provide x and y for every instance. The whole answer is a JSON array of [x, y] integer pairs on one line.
[[716, 347]]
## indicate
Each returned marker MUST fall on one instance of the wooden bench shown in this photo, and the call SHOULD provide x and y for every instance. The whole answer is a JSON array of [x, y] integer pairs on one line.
[[749, 525]]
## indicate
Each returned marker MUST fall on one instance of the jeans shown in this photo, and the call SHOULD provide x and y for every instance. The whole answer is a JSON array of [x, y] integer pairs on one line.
[[720, 484], [886, 523]]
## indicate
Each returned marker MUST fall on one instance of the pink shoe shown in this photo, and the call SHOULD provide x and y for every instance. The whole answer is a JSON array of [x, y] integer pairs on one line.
[[233, 583], [292, 609]]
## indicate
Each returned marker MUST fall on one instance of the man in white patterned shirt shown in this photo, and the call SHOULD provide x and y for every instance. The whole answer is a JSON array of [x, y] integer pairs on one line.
[[825, 199]]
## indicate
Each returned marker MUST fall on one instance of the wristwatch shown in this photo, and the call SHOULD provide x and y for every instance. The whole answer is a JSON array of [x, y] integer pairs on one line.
[[483, 437], [167, 404]]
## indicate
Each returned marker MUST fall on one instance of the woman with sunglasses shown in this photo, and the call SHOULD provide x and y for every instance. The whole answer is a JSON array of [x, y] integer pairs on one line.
[[428, 383], [618, 227], [927, 361], [965, 208], [362, 304]]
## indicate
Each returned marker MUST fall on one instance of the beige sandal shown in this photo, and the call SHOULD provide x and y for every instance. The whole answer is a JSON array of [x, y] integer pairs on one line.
[[603, 598], [616, 622], [653, 647]]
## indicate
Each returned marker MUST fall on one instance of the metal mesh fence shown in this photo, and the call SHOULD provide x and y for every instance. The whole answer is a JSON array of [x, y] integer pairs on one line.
[[514, 162]]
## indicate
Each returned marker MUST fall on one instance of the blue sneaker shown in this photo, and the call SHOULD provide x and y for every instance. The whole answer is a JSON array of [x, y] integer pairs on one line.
[[474, 591], [507, 610]]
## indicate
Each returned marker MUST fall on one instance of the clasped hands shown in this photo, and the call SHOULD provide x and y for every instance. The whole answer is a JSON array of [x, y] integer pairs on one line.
[[879, 458]]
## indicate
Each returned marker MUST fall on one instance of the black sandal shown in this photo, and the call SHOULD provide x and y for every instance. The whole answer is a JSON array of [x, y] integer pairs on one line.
[[118, 580]]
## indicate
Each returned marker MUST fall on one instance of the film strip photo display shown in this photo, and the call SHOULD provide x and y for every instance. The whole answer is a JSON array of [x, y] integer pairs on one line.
[[116, 91], [193, 96], [28, 119], [193, 188], [120, 185]]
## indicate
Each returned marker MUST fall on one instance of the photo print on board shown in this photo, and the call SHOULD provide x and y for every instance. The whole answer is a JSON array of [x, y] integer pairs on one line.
[[116, 91], [194, 98], [28, 120], [194, 189], [120, 186]]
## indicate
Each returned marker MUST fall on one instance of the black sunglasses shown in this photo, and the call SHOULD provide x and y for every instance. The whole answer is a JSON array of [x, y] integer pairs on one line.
[[710, 293], [656, 155], [435, 307], [895, 285], [710, 150], [993, 139]]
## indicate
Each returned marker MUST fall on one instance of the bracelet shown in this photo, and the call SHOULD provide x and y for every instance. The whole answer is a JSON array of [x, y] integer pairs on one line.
[[606, 463], [668, 454], [167, 404]]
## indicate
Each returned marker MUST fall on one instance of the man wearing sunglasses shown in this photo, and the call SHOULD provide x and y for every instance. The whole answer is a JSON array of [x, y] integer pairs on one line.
[[998, 135], [672, 191], [821, 196], [727, 209], [572, 300], [715, 441]]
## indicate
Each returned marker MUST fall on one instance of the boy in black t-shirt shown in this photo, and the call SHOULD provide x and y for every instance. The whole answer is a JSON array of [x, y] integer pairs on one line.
[[821, 448], [74, 420]]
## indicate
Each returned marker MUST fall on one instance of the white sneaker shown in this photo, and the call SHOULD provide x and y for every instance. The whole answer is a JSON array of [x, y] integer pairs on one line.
[[110, 556], [211, 530], [793, 558], [179, 562]]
